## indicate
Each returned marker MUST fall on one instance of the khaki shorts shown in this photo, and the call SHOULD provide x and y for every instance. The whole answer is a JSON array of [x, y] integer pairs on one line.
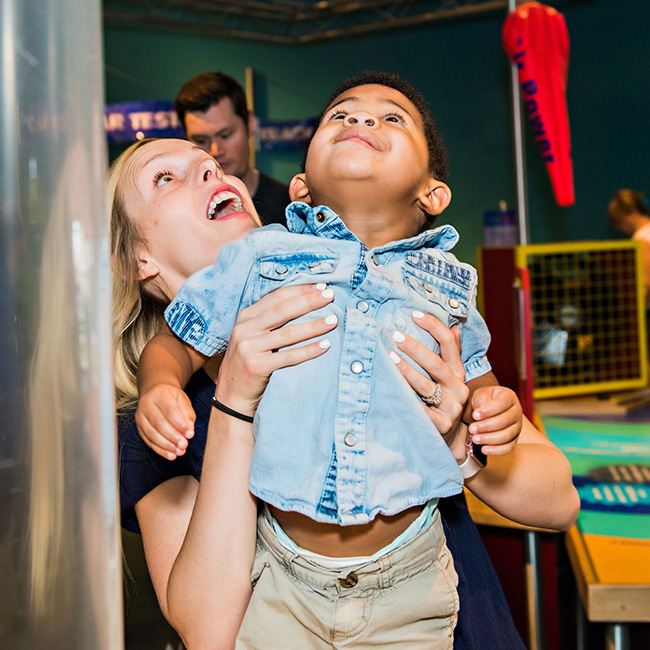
[[406, 599]]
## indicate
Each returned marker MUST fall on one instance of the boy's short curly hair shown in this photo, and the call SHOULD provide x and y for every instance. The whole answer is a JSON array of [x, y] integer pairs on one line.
[[437, 150]]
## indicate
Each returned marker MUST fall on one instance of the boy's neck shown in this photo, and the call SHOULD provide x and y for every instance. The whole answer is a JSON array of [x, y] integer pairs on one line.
[[378, 222]]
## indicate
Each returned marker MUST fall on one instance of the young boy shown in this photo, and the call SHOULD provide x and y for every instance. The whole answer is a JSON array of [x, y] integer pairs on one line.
[[344, 439]]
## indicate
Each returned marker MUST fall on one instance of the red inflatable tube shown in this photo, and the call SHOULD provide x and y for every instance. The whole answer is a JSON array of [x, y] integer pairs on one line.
[[535, 37]]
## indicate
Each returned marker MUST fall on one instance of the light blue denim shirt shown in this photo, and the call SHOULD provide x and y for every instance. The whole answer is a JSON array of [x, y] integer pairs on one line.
[[343, 437]]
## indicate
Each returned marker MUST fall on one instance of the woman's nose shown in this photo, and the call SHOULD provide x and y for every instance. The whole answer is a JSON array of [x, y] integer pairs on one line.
[[360, 118], [210, 169]]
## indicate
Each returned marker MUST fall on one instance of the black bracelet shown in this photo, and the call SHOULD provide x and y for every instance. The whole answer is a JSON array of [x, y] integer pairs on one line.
[[236, 414]]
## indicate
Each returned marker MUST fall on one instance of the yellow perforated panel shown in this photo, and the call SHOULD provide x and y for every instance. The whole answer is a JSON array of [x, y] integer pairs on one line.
[[588, 317]]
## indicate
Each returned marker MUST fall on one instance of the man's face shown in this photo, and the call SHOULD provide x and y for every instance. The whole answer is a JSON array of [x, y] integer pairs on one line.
[[369, 133], [223, 134]]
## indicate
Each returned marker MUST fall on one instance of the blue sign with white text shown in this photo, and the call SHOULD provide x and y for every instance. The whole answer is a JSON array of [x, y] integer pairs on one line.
[[131, 121]]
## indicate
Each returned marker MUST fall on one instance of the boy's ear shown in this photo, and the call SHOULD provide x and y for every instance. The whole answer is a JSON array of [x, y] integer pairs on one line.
[[298, 189], [435, 198]]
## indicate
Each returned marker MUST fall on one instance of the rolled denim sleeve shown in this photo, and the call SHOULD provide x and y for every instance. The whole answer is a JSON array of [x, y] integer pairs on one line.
[[475, 341], [205, 309]]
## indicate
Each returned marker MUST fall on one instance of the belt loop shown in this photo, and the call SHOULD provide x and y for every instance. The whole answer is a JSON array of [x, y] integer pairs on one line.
[[385, 573]]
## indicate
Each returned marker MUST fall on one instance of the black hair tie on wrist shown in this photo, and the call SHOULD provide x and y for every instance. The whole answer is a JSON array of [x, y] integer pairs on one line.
[[228, 411]]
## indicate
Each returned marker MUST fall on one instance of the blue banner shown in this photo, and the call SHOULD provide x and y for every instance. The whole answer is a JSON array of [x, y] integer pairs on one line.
[[131, 121], [291, 135]]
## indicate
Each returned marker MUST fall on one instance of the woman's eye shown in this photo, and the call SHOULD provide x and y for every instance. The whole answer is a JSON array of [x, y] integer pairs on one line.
[[162, 178], [395, 118], [338, 115]]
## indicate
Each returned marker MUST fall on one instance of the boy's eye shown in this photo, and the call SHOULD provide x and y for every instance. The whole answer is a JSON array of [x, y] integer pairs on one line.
[[162, 178], [396, 118], [337, 115]]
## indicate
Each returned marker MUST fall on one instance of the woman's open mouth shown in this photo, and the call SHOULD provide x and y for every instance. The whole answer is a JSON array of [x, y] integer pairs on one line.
[[224, 202]]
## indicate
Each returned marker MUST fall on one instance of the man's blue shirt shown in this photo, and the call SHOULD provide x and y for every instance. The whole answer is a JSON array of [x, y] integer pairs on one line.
[[343, 437]]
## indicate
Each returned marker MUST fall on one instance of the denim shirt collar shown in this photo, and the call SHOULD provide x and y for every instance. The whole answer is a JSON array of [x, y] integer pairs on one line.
[[324, 222]]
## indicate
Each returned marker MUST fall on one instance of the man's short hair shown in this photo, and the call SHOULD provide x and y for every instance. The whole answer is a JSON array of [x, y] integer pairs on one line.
[[625, 203], [438, 164], [205, 90]]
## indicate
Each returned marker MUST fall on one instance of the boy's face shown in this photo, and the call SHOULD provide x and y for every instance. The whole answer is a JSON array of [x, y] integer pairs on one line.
[[369, 133]]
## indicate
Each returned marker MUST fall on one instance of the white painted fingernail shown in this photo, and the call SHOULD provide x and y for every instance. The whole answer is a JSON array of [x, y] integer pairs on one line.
[[395, 358], [418, 314], [321, 286], [331, 319], [398, 337], [324, 344], [328, 293]]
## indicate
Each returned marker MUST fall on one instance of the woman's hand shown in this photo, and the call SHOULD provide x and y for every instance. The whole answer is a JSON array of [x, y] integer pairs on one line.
[[445, 371], [260, 340]]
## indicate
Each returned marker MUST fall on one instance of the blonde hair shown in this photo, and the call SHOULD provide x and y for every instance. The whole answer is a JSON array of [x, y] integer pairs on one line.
[[137, 314]]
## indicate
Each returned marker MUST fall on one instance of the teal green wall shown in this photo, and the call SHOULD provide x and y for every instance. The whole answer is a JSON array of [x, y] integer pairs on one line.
[[461, 69]]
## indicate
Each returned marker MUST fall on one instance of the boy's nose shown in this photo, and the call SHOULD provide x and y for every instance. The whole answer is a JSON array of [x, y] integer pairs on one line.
[[356, 118]]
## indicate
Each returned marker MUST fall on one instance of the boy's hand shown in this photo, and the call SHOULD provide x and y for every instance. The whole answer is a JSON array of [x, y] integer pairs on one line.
[[165, 420], [498, 419]]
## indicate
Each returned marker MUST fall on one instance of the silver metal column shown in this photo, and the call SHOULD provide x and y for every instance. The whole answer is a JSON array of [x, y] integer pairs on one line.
[[519, 149], [618, 637], [60, 562], [532, 551]]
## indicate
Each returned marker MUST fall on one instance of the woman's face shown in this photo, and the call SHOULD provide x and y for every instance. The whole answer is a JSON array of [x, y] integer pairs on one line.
[[185, 209]]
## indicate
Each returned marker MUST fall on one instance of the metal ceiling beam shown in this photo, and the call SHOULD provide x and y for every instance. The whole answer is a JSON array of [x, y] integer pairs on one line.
[[293, 22]]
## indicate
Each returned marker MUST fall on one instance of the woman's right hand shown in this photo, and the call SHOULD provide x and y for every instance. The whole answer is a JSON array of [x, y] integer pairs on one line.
[[261, 338], [444, 370]]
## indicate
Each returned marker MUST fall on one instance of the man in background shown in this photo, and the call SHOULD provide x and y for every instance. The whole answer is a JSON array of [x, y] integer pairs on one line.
[[212, 108]]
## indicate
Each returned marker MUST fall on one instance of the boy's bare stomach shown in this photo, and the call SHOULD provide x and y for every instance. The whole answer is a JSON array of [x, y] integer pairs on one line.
[[344, 541]]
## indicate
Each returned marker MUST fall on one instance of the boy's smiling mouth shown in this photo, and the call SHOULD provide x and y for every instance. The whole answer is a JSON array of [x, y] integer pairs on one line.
[[224, 203], [361, 135]]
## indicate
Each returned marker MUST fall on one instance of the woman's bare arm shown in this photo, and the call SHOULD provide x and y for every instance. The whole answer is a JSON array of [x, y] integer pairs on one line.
[[199, 539], [200, 544], [532, 484]]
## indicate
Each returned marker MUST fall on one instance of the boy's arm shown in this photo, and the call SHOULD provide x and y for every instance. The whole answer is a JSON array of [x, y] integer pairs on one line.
[[167, 360], [164, 417], [530, 482]]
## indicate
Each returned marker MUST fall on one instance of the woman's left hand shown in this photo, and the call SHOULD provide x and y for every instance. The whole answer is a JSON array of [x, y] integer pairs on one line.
[[445, 383]]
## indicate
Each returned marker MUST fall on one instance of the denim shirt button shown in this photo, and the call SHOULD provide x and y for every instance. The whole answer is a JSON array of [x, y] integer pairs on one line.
[[350, 439], [356, 367], [320, 216], [427, 287], [281, 269], [313, 265], [362, 306], [453, 303]]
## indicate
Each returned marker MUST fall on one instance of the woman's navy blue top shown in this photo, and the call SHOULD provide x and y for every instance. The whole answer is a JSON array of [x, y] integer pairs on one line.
[[484, 619]]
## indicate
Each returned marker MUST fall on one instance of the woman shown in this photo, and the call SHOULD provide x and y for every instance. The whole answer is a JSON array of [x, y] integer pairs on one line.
[[200, 540]]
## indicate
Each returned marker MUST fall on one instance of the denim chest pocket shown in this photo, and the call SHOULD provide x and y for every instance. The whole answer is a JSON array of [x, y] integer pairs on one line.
[[447, 284], [285, 267]]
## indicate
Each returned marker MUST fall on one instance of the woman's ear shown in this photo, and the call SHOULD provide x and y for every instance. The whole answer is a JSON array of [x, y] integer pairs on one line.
[[435, 198], [147, 268], [298, 189]]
